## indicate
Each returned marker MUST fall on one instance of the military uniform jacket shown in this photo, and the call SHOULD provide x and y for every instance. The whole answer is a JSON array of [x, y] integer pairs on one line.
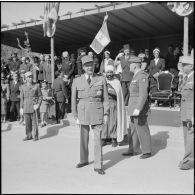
[[187, 101], [29, 96], [90, 102], [126, 74], [60, 90], [139, 94]]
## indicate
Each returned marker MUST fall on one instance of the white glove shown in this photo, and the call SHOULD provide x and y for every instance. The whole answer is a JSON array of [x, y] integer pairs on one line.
[[136, 112], [21, 111], [36, 106]]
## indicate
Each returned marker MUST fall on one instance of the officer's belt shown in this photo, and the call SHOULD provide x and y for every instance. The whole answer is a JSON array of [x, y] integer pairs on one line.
[[90, 99]]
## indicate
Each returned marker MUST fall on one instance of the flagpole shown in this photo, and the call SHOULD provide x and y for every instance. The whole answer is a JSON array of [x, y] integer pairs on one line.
[[185, 38], [52, 60]]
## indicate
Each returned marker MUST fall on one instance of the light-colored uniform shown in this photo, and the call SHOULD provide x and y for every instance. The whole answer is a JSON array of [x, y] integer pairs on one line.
[[89, 105]]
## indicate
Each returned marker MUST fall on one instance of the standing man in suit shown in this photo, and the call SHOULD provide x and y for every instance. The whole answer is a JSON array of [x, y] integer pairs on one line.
[[30, 99], [47, 73], [14, 97], [90, 107], [126, 75], [60, 95], [139, 133], [187, 114], [156, 66]]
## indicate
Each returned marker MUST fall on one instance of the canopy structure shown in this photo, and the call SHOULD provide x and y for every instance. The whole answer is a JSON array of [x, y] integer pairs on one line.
[[127, 21]]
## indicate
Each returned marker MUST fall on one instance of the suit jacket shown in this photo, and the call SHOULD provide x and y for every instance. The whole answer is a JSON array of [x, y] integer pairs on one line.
[[187, 101], [14, 66], [139, 93], [29, 96], [90, 102], [153, 68], [47, 72], [68, 67], [60, 90], [14, 91], [126, 74]]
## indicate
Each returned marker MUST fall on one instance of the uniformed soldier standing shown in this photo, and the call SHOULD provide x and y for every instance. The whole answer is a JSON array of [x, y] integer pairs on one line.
[[90, 107], [138, 107], [187, 116], [30, 99]]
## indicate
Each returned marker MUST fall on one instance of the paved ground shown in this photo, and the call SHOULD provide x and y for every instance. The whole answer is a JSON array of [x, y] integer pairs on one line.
[[48, 166]]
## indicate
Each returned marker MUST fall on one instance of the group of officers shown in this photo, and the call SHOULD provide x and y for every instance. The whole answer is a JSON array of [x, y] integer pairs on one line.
[[90, 108]]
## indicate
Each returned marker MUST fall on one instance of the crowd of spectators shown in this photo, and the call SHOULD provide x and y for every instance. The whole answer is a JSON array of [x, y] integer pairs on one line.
[[67, 67]]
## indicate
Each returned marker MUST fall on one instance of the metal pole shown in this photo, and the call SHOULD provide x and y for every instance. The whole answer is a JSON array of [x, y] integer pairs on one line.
[[185, 38], [52, 60]]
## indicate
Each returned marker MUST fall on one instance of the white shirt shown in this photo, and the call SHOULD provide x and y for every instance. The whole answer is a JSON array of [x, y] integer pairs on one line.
[[87, 76], [156, 60]]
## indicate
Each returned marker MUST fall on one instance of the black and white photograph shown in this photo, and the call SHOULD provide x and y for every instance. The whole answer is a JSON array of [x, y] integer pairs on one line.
[[97, 97]]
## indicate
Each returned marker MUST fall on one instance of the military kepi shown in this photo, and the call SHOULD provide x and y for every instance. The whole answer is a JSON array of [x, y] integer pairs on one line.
[[86, 59]]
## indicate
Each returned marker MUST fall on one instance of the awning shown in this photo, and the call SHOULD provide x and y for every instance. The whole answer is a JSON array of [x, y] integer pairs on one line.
[[126, 21]]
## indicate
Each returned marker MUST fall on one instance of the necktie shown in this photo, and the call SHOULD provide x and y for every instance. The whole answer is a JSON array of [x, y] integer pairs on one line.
[[89, 80]]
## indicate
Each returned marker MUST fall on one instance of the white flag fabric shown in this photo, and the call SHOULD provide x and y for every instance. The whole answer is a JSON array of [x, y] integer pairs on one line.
[[50, 18], [102, 39]]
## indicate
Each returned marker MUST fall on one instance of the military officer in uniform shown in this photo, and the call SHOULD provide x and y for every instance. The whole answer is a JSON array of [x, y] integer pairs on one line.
[[30, 99], [187, 115], [90, 107], [138, 106]]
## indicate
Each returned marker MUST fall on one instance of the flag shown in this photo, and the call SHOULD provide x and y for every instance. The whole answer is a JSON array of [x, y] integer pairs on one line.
[[181, 8], [50, 18], [102, 39]]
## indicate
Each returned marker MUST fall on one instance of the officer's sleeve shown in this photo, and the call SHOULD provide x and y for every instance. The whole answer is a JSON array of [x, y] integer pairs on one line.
[[21, 97], [105, 97], [74, 99], [143, 91]]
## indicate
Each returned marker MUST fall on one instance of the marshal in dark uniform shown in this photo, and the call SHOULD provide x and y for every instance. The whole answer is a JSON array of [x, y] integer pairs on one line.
[[90, 105], [138, 107]]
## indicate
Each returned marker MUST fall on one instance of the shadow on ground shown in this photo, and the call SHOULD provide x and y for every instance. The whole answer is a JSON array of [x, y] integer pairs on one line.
[[159, 141], [9, 127], [114, 157], [54, 130]]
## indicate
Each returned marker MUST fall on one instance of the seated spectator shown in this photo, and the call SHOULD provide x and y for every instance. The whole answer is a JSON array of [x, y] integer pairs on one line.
[[35, 69], [14, 65], [115, 128], [156, 66]]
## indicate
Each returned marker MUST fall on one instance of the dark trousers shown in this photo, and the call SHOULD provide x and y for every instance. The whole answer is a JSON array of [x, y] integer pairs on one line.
[[125, 89], [15, 105], [31, 120], [60, 110], [139, 135], [84, 140]]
